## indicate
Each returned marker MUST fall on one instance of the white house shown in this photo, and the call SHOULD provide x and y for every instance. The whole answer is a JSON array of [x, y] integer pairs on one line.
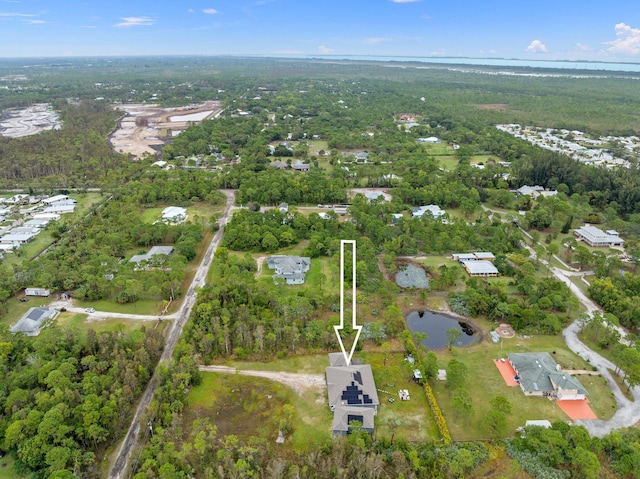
[[431, 139], [54, 199], [596, 237], [60, 208], [435, 211], [174, 214], [17, 239]]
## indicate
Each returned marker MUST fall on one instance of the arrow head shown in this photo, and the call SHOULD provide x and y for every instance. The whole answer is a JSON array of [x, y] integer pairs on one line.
[[340, 333]]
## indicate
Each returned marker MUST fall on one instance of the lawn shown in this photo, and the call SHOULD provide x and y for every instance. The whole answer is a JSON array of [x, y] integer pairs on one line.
[[77, 322], [6, 468], [148, 306], [249, 406], [484, 382]]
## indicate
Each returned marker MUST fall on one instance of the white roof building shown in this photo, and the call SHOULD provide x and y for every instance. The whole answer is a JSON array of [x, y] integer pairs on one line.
[[480, 268], [46, 216], [174, 214], [33, 320], [60, 208], [596, 237], [18, 238], [156, 250], [53, 199], [435, 211]]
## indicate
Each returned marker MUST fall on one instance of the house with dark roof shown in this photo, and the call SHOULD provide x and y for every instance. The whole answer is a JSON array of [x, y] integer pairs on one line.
[[539, 375], [352, 394], [33, 320], [290, 268]]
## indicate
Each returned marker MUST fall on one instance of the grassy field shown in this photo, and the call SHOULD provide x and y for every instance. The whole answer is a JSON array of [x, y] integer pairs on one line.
[[78, 322], [6, 468], [250, 406], [148, 307], [484, 382]]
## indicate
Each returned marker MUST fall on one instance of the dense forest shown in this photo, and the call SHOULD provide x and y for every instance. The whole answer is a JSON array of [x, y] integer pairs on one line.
[[64, 396]]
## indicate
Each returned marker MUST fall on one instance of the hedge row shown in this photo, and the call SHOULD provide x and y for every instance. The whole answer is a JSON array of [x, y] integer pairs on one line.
[[437, 414]]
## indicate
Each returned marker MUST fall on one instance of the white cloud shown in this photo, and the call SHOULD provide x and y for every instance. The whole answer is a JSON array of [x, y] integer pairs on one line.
[[34, 22], [210, 11], [324, 50], [10, 14], [191, 10], [405, 1], [375, 40], [583, 48], [628, 41], [134, 22], [536, 46], [288, 52]]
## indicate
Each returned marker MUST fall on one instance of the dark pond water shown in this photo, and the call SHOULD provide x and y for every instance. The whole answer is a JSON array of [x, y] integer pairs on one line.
[[436, 326]]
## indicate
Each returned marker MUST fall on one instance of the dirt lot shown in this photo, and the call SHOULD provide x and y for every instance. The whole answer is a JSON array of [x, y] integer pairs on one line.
[[28, 121], [146, 127]]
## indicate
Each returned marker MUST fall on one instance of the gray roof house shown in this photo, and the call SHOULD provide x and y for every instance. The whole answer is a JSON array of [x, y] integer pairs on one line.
[[290, 268], [300, 166], [156, 250], [540, 375], [33, 320], [352, 394]]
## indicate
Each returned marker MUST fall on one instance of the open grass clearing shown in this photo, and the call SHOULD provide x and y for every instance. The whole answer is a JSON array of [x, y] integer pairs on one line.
[[78, 322], [6, 468], [250, 406]]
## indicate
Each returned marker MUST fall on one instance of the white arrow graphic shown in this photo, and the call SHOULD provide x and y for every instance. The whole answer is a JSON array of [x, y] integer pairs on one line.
[[354, 325]]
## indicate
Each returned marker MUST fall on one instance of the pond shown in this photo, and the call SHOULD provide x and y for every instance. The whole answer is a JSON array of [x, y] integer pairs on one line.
[[436, 325]]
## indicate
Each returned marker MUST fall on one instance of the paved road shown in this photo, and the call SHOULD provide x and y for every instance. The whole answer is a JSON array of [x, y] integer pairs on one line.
[[627, 412], [120, 465]]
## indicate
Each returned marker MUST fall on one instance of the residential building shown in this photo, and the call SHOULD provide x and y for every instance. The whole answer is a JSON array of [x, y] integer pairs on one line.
[[480, 268], [341, 209], [431, 139], [300, 166], [361, 157], [54, 199], [535, 191], [33, 320], [156, 250], [352, 394], [37, 292], [17, 238], [434, 210], [37, 223], [60, 208], [279, 165], [596, 237], [174, 215], [290, 268], [539, 375]]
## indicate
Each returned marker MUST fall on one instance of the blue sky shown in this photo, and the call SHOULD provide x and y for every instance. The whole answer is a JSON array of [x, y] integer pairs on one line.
[[543, 29]]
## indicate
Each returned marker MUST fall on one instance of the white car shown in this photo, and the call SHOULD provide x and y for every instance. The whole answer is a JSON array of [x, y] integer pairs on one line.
[[90, 310]]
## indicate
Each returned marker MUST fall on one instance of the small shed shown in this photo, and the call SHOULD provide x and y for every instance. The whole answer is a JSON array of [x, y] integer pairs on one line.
[[417, 376]]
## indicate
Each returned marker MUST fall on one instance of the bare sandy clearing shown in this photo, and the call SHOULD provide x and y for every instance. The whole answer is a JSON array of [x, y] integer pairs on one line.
[[146, 127], [28, 121]]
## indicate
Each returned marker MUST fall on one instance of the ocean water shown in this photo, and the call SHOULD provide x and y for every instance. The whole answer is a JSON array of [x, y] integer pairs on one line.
[[492, 62]]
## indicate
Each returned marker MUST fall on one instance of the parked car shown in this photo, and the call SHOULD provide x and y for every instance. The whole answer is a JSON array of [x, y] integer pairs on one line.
[[90, 310]]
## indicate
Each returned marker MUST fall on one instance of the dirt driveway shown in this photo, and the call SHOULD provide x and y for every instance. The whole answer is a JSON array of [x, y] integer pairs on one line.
[[300, 383]]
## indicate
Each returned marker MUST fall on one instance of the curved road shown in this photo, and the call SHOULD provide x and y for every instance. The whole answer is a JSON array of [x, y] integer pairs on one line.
[[121, 462], [627, 412]]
